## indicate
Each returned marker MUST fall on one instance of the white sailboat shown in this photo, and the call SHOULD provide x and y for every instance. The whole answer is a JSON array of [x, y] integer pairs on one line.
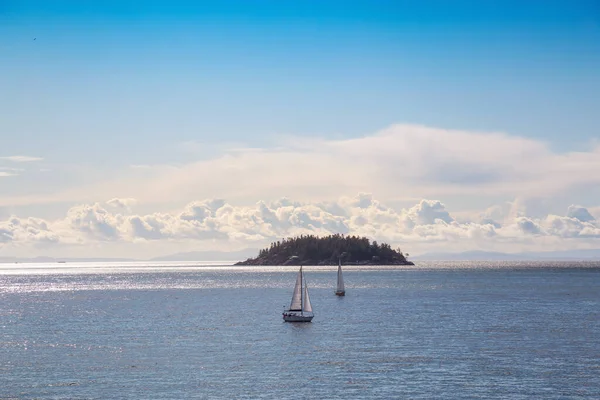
[[340, 290], [300, 308]]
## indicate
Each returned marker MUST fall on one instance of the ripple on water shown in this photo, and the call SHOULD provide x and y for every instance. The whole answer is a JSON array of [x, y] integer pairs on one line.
[[442, 331]]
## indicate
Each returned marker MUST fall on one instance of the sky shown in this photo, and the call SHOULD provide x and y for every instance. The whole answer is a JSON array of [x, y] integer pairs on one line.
[[138, 129]]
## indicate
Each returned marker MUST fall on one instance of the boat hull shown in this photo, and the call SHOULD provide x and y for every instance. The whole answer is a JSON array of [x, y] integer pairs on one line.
[[293, 317], [340, 293]]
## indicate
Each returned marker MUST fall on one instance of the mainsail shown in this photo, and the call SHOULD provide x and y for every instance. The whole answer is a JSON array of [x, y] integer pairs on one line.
[[340, 279], [307, 307], [300, 309], [296, 304]]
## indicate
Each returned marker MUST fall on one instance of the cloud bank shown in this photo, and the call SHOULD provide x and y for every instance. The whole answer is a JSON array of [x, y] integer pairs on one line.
[[214, 223], [402, 162], [407, 168], [399, 162], [21, 159]]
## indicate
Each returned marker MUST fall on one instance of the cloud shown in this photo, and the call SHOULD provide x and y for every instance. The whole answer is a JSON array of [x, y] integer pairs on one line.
[[92, 222], [21, 159], [528, 226], [427, 225], [428, 212], [122, 204], [579, 213], [6, 173], [400, 163], [568, 227], [22, 231]]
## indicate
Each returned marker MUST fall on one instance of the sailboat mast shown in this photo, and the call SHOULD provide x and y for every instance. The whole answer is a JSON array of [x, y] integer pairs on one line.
[[339, 271], [301, 293]]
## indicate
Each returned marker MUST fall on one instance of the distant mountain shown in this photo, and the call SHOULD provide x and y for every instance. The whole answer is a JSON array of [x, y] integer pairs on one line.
[[43, 259], [590, 254], [190, 256], [233, 256], [469, 255], [209, 256]]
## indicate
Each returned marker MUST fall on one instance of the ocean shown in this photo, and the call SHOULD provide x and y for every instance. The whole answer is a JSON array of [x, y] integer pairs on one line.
[[476, 330]]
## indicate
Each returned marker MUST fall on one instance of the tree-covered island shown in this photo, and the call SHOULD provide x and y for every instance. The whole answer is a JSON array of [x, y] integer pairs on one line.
[[314, 250]]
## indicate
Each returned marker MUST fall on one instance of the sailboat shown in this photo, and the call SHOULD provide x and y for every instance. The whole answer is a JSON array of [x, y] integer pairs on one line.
[[340, 290], [300, 308]]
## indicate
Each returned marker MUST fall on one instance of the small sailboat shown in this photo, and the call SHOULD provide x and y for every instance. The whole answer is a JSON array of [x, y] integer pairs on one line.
[[340, 290], [300, 308]]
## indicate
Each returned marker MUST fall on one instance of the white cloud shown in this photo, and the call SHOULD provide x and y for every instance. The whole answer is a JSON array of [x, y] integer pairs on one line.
[[5, 174], [568, 227], [122, 204], [399, 163], [580, 213], [21, 158], [23, 231], [528, 226], [595, 211], [428, 212], [92, 222], [215, 223]]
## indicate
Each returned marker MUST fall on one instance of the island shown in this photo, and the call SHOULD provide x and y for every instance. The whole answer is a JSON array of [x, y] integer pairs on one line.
[[327, 250]]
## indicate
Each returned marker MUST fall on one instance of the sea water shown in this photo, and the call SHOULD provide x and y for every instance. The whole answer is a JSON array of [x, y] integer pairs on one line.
[[180, 331]]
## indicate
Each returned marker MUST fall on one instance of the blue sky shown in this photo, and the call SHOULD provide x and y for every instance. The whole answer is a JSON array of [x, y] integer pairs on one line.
[[123, 70], [107, 85]]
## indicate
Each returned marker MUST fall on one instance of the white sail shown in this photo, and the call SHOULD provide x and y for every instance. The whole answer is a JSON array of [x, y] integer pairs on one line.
[[300, 310], [340, 279], [307, 306], [296, 304]]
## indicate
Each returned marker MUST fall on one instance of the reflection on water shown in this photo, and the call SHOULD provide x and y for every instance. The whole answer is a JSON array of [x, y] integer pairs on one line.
[[186, 330], [158, 266], [197, 275]]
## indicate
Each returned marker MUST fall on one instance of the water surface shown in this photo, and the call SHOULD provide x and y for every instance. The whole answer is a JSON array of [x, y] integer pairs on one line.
[[173, 331]]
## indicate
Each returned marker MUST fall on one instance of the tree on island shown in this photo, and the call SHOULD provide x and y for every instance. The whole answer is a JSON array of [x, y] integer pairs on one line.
[[314, 250]]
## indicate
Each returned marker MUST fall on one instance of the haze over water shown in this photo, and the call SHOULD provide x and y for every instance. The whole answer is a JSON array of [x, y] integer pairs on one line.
[[173, 331]]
